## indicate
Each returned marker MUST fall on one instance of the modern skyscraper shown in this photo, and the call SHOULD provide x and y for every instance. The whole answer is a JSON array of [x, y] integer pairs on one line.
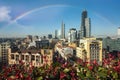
[[63, 31], [72, 35], [85, 25]]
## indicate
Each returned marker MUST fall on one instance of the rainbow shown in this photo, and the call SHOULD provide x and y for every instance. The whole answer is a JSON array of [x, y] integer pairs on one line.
[[34, 10]]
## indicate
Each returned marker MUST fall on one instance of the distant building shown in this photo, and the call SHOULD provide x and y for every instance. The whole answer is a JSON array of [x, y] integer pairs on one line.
[[56, 34], [90, 49], [4, 53], [29, 38], [118, 32], [111, 44], [64, 51], [42, 44], [88, 27], [72, 35], [85, 25], [35, 38], [34, 58], [49, 36], [62, 31]]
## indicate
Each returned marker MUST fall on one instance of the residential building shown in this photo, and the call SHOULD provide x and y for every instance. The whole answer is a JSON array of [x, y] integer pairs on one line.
[[64, 51], [90, 49], [34, 57], [111, 44], [4, 53]]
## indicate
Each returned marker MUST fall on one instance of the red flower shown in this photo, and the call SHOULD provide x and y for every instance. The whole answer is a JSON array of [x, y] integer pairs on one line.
[[90, 67], [44, 57], [62, 75], [28, 78], [72, 74], [95, 62]]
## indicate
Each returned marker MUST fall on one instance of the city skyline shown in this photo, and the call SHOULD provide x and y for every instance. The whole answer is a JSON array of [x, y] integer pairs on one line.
[[21, 18]]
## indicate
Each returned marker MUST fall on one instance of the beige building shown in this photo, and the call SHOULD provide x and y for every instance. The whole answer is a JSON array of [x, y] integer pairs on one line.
[[90, 49], [4, 53], [35, 58]]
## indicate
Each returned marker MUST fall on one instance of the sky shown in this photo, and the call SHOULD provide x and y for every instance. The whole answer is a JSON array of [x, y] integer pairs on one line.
[[41, 17]]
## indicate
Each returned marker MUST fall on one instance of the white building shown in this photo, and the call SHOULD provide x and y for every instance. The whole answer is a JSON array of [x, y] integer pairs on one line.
[[72, 35], [64, 52], [118, 31]]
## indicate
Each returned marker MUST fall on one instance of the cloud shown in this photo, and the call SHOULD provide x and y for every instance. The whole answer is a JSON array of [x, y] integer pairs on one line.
[[4, 14]]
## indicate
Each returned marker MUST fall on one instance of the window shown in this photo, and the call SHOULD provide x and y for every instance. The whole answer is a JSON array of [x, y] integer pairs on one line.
[[22, 57], [32, 57], [46, 52], [12, 56], [17, 57], [27, 58], [37, 58]]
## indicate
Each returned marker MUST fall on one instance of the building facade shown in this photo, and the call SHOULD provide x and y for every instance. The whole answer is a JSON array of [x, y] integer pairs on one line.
[[4, 53], [90, 49], [111, 44], [35, 58], [72, 35]]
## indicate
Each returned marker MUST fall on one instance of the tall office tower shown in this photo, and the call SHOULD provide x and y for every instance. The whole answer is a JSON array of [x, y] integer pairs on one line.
[[72, 35], [85, 25], [119, 31], [78, 34], [88, 27], [63, 31], [56, 34]]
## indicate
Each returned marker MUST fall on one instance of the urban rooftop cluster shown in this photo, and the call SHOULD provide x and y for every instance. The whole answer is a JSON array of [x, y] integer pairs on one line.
[[78, 57]]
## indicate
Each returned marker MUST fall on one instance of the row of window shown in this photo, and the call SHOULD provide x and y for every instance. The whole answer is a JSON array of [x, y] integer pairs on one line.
[[25, 57]]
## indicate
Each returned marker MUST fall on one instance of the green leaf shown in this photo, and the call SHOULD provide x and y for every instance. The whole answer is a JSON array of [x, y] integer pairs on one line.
[[66, 70], [115, 75], [40, 78]]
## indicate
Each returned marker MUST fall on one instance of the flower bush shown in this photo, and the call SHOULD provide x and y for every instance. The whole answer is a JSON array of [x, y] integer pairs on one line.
[[65, 70]]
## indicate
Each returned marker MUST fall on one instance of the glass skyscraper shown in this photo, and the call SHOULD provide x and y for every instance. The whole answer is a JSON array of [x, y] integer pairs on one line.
[[85, 25]]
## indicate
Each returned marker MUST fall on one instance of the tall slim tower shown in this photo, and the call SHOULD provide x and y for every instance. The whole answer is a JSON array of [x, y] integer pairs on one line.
[[85, 25], [56, 34], [63, 31]]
